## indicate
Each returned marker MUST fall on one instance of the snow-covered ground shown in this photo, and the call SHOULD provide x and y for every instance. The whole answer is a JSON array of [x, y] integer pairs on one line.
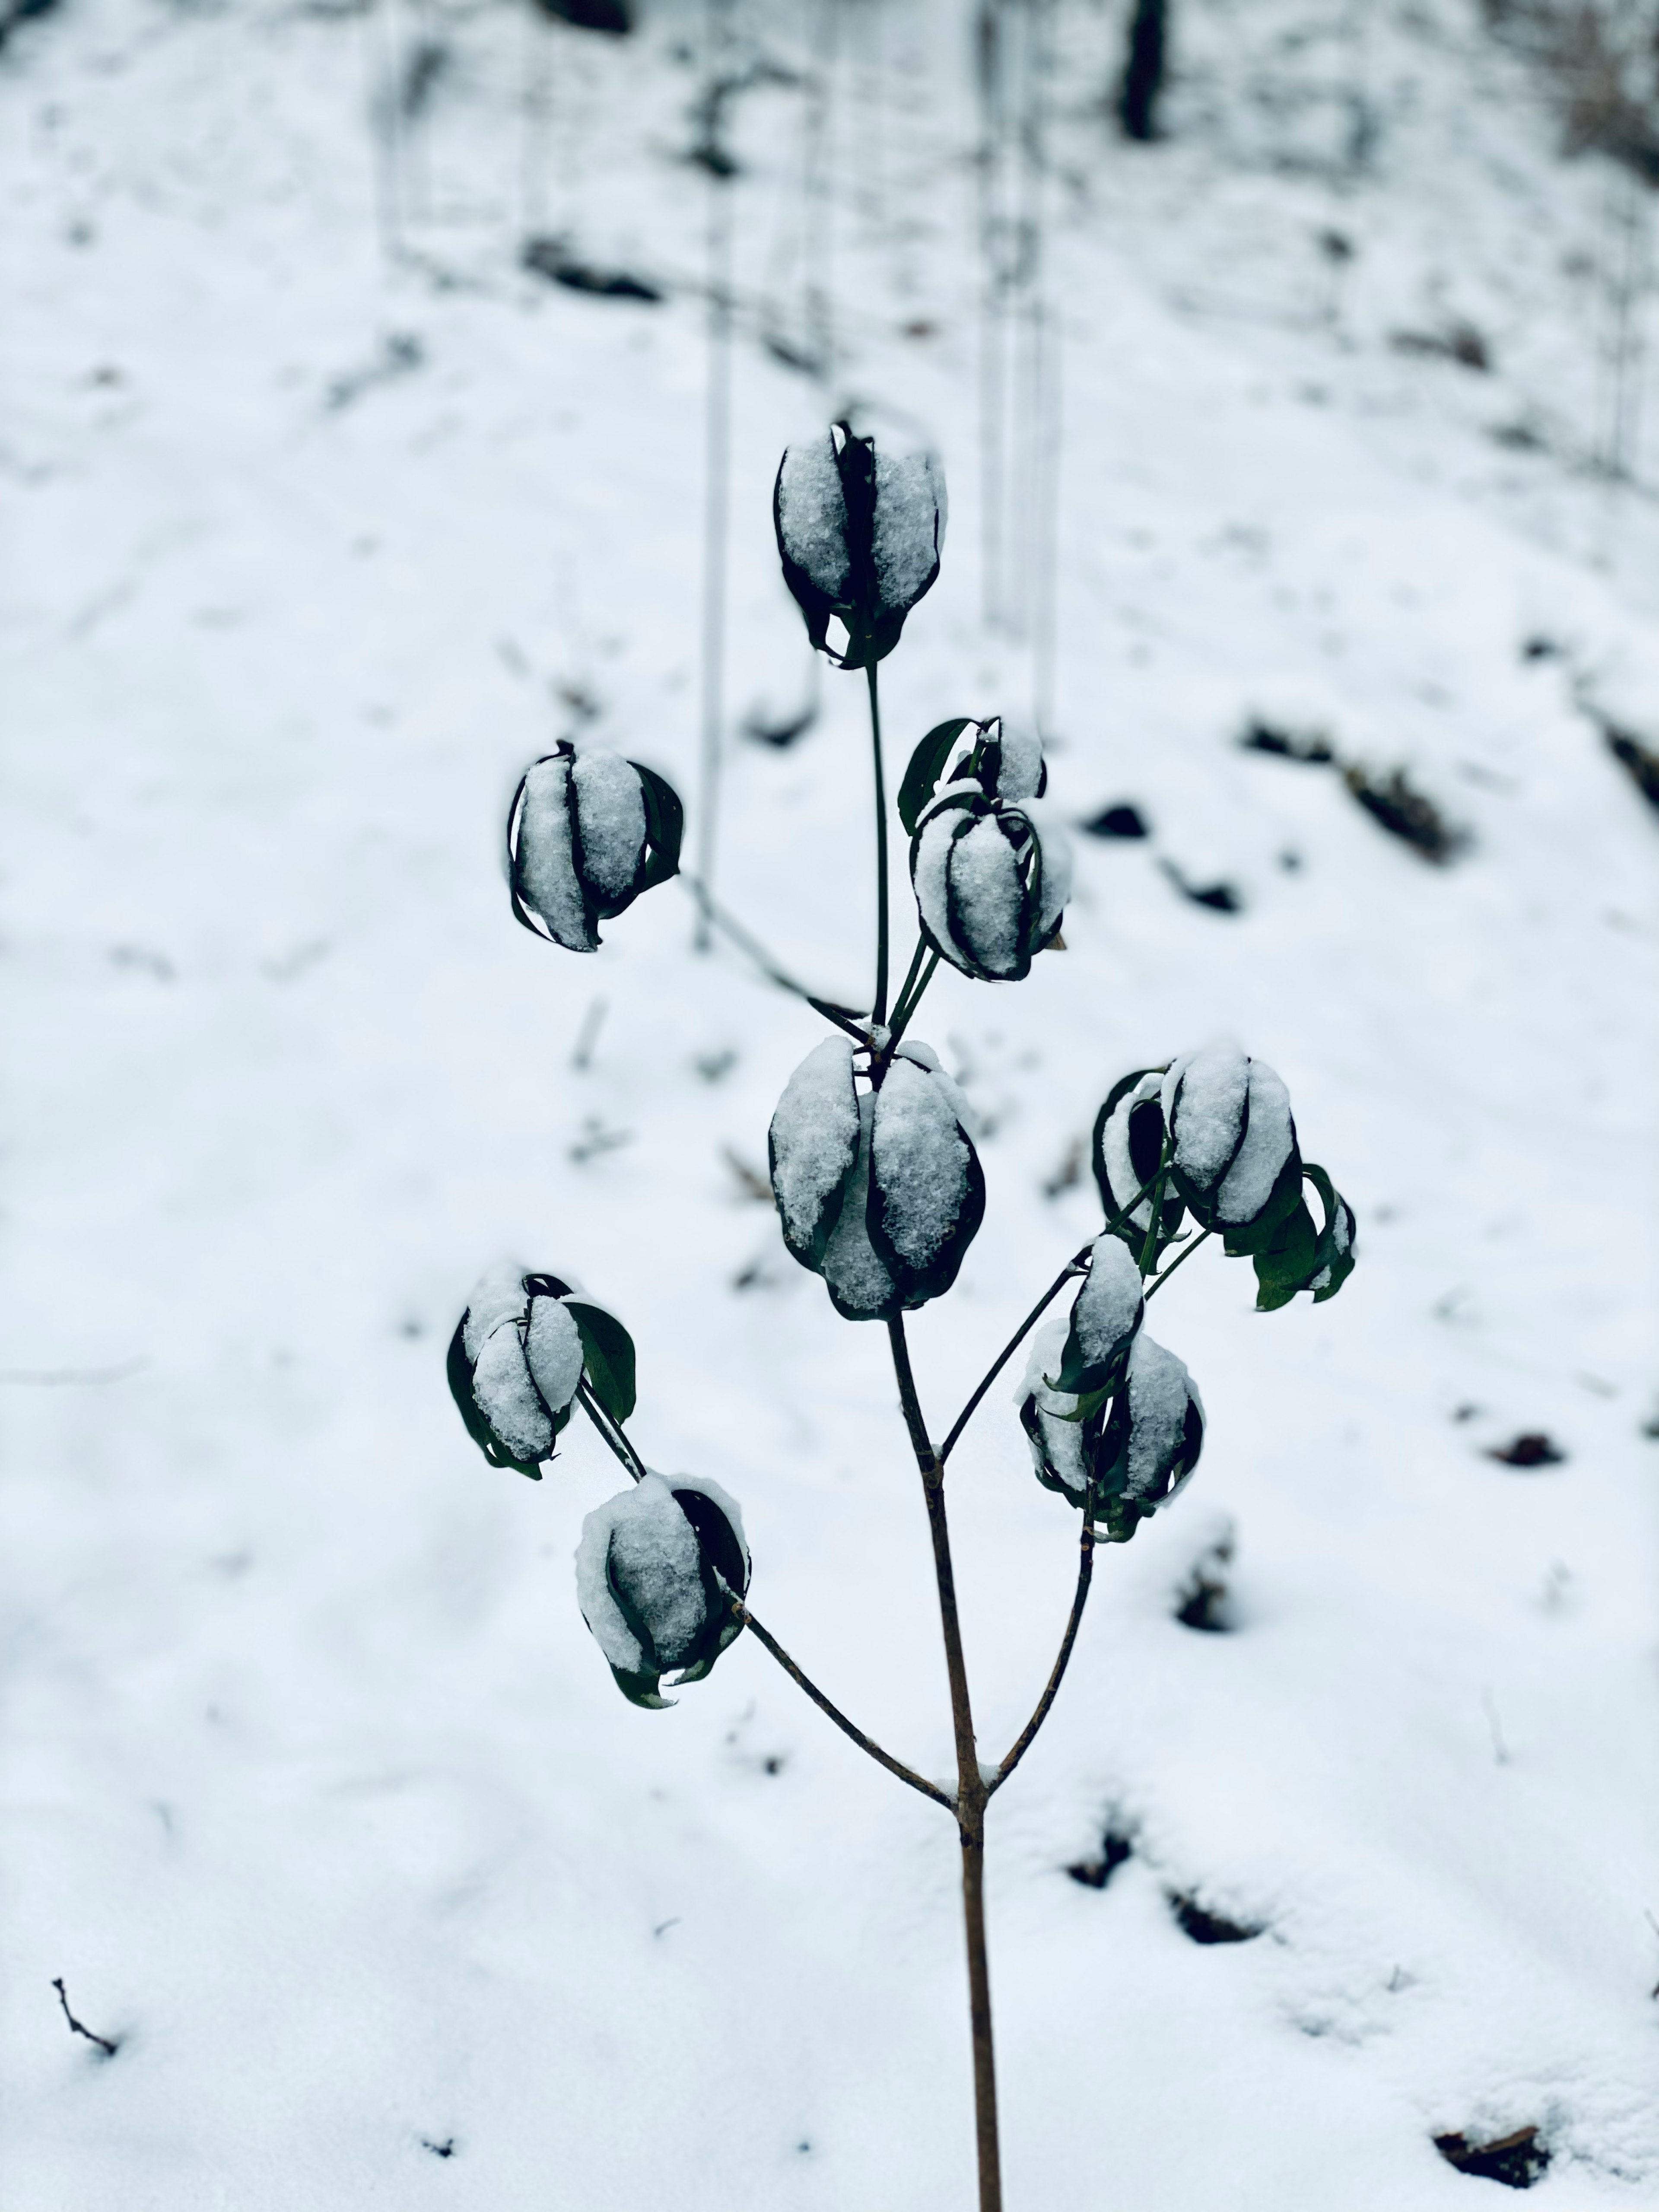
[[318, 1794]]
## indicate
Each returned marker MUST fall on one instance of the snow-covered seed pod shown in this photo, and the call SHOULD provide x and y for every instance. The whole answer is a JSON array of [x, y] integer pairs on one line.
[[991, 878], [1126, 1148], [585, 836], [879, 1190], [514, 1364], [858, 534], [1151, 1442], [1133, 1455], [1106, 1314], [657, 1570], [1233, 1153]]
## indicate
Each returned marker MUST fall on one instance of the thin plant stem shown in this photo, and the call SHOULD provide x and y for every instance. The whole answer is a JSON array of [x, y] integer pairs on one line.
[[972, 1793], [1084, 1575], [611, 1432], [909, 984], [1073, 1266], [1148, 1249], [880, 1013], [903, 1012], [844, 1017], [847, 1728], [1158, 1281]]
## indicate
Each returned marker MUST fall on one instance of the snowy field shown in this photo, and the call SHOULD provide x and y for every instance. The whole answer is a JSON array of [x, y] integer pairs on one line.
[[325, 517]]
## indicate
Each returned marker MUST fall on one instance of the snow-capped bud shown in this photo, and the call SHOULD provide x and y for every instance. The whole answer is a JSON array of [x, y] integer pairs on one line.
[[1132, 1456], [518, 1357], [585, 837], [1296, 1256], [1106, 1313], [858, 533], [1149, 1446], [657, 1570], [879, 1190], [1128, 1148], [812, 1148], [991, 867], [1233, 1153]]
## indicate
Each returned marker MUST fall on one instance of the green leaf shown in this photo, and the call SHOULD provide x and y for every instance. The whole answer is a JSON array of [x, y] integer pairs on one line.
[[1286, 1260], [927, 766], [1336, 1240], [640, 1690], [458, 1369], [664, 825], [608, 1355]]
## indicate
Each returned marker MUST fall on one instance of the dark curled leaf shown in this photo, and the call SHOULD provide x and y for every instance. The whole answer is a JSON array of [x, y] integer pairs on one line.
[[927, 766], [1241, 1239], [458, 1369], [608, 1355], [1336, 1239], [1288, 1258], [664, 826]]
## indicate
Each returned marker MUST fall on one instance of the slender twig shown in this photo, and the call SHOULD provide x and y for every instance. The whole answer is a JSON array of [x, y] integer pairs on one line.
[[1158, 1281], [902, 1014], [611, 1431], [1085, 1573], [1148, 1249], [880, 1013], [1073, 1266], [844, 1017], [105, 2044], [847, 1728]]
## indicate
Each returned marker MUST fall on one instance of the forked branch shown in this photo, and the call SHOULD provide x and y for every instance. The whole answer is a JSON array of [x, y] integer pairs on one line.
[[1085, 1574], [741, 1612]]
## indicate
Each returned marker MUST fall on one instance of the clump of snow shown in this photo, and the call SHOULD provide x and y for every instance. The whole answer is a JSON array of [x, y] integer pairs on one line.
[[1107, 1307], [1059, 1440], [812, 516], [639, 1546], [553, 1352], [925, 1056], [852, 1266], [920, 1162], [610, 817], [507, 1398], [1021, 770], [547, 869], [497, 1296], [930, 874], [1204, 1098], [1160, 1389], [1268, 1136], [990, 895], [814, 1138], [909, 525]]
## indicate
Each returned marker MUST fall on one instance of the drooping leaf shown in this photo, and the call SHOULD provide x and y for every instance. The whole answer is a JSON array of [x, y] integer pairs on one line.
[[664, 826], [1287, 1259], [608, 1355], [927, 766]]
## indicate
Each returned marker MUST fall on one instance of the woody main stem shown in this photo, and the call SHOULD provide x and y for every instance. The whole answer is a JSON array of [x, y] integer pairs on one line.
[[879, 1012], [972, 1793]]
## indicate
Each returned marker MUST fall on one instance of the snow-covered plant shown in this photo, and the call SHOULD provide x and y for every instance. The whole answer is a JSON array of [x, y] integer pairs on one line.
[[584, 838], [878, 1186]]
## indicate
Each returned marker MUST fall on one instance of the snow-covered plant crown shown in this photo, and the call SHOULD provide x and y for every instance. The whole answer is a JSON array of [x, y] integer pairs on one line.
[[878, 1184]]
